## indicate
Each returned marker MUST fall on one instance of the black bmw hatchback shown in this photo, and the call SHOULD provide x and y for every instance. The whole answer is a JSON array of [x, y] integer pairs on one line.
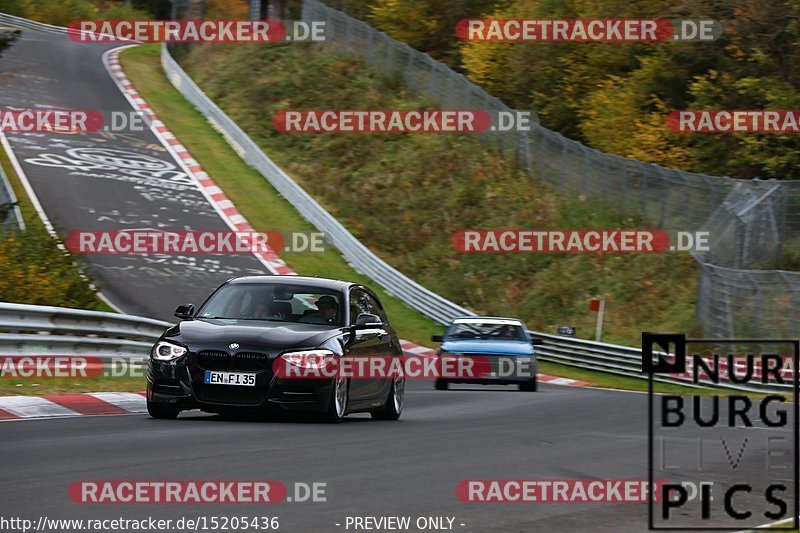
[[222, 356]]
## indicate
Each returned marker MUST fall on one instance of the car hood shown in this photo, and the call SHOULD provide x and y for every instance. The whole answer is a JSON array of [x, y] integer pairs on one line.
[[478, 346], [250, 335]]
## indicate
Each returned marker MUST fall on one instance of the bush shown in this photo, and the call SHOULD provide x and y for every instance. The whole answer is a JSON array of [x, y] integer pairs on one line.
[[404, 195], [59, 13], [34, 271]]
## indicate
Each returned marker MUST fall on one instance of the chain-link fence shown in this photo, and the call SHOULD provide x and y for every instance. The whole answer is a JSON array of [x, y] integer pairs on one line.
[[748, 303], [751, 224]]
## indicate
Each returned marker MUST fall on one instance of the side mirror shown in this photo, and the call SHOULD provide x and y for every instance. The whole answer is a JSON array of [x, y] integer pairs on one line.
[[185, 311], [537, 342], [437, 338], [368, 320]]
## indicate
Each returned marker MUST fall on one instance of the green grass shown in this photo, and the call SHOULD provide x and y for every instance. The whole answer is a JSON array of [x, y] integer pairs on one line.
[[36, 271], [404, 195], [42, 386], [613, 381], [266, 210], [33, 269], [253, 196], [779, 525]]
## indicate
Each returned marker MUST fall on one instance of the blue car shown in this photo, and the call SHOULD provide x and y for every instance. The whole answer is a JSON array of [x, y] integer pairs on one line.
[[504, 342]]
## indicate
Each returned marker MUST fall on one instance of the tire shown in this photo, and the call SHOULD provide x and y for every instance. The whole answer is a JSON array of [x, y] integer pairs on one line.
[[162, 411], [441, 384], [337, 405], [394, 402], [529, 386]]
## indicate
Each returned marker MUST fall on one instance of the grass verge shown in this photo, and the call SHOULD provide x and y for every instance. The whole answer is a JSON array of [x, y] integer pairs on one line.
[[266, 210], [254, 197], [40, 387], [405, 195], [613, 381], [33, 269]]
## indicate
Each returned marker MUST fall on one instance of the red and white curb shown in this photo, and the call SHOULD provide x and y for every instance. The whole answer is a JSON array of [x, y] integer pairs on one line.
[[409, 348], [65, 405], [221, 203], [121, 403]]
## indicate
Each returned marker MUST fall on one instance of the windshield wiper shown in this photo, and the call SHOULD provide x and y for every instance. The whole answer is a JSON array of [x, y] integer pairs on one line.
[[243, 318]]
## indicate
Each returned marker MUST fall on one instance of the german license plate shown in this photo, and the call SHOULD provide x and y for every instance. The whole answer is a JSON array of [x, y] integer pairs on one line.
[[230, 378]]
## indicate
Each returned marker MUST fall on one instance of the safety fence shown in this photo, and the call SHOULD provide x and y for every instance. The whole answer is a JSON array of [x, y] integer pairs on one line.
[[752, 224], [601, 357]]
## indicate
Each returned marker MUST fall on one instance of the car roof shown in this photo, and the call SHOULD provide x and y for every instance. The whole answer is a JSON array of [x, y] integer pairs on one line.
[[335, 284], [476, 318]]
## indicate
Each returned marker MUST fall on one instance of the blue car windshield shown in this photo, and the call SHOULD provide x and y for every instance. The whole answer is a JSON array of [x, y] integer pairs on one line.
[[494, 330]]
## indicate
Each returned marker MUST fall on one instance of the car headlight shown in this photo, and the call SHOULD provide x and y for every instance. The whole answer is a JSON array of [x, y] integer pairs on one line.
[[166, 351], [309, 358]]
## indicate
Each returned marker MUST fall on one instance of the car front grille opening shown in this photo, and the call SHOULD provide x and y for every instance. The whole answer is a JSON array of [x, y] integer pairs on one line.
[[238, 361]]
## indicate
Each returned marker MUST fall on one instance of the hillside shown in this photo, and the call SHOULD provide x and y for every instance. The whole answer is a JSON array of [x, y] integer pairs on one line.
[[404, 195]]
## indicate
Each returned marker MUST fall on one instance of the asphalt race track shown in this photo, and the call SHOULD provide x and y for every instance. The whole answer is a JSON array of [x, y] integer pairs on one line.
[[370, 468], [409, 467], [110, 181]]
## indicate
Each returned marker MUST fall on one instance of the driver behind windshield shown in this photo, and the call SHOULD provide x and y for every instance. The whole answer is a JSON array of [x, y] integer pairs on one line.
[[509, 332], [272, 310], [327, 309]]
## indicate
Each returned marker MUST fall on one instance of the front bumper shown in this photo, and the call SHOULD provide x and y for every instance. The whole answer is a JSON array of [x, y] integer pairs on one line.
[[181, 383], [504, 369]]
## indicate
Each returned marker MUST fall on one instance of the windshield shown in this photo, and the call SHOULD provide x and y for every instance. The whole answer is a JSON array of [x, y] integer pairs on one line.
[[495, 330], [277, 302]]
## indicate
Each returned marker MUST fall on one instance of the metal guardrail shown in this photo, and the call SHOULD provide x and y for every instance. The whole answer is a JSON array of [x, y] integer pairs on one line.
[[22, 317], [8, 201], [19, 22], [10, 215], [44, 330], [359, 256], [35, 330], [601, 357], [623, 361]]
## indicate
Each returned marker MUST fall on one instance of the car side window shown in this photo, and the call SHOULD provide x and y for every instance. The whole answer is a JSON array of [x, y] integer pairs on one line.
[[359, 303]]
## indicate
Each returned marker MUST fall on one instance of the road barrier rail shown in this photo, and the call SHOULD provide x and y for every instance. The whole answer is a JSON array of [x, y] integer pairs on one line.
[[38, 330]]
